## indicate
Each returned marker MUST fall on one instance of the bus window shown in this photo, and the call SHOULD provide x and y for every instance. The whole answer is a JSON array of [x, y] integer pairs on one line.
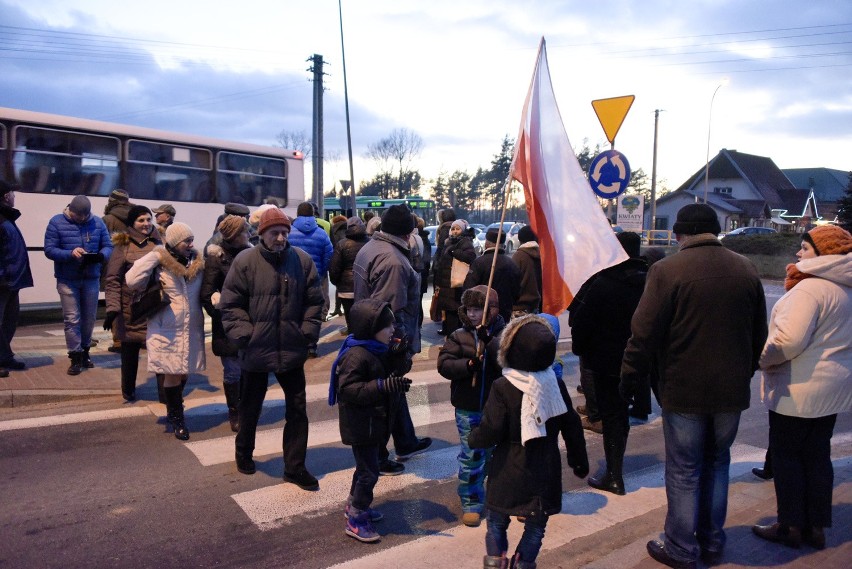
[[165, 172], [251, 180], [65, 162], [3, 147]]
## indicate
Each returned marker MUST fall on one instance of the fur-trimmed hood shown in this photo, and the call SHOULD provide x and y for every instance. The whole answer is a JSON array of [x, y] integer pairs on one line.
[[507, 339], [170, 264], [123, 238]]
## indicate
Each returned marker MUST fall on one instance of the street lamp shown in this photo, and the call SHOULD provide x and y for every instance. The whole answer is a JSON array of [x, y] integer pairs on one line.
[[709, 122]]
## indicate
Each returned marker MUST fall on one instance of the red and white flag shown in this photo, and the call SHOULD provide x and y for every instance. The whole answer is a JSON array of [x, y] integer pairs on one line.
[[575, 237]]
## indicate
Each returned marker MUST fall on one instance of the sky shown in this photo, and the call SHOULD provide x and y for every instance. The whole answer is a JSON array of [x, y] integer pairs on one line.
[[456, 73]]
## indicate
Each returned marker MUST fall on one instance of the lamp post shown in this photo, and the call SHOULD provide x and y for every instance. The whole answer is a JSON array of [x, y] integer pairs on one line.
[[709, 123]]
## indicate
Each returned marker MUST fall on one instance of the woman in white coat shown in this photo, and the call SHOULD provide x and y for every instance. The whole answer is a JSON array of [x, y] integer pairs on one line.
[[807, 381], [175, 338]]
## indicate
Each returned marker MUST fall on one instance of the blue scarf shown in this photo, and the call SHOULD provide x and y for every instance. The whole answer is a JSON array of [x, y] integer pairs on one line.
[[373, 346]]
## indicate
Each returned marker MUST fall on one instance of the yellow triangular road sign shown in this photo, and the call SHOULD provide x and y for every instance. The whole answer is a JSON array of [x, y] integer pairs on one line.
[[611, 113]]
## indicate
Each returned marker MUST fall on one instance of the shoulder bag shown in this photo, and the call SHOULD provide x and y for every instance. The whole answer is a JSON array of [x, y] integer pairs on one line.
[[150, 301]]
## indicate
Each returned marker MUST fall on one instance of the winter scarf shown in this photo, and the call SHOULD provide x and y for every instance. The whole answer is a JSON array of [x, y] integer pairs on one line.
[[541, 400], [373, 346]]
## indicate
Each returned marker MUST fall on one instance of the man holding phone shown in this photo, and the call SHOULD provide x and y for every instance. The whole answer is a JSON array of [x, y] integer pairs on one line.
[[78, 243]]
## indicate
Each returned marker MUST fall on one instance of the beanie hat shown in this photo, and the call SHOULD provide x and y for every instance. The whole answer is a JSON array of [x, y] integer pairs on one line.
[[305, 209], [80, 205], [396, 220], [232, 208], [475, 297], [526, 234], [696, 218], [254, 218], [177, 232], [271, 217], [527, 344], [631, 242], [134, 212], [461, 224], [491, 235], [829, 240], [231, 226], [119, 195]]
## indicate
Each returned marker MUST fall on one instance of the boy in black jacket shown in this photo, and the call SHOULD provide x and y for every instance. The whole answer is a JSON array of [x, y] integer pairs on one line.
[[361, 382], [472, 368]]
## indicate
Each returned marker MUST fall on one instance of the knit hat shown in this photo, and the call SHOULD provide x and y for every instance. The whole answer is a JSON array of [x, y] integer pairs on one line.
[[491, 235], [232, 208], [119, 195], [305, 209], [254, 218], [232, 226], [461, 224], [829, 240], [526, 234], [527, 344], [177, 232], [631, 242], [80, 205], [396, 220], [696, 218], [272, 217], [166, 208], [133, 214]]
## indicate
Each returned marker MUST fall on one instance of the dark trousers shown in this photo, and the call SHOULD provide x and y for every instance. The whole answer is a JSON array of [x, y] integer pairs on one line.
[[365, 477], [10, 308], [615, 419], [252, 394], [129, 366], [588, 383], [347, 303], [402, 429], [801, 463]]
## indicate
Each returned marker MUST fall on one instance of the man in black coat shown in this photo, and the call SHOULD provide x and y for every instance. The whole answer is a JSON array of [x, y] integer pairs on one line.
[[507, 275]]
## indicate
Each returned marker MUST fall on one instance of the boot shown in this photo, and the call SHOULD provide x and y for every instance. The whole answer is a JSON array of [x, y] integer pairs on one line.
[[518, 564], [232, 397], [494, 561], [174, 409], [245, 464], [76, 363], [615, 443], [161, 395], [129, 369], [608, 483], [85, 360], [359, 526]]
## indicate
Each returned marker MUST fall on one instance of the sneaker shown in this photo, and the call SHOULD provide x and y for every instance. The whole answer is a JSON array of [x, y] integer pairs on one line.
[[390, 467], [422, 445], [471, 519], [594, 426], [13, 364], [361, 528], [303, 479], [375, 515]]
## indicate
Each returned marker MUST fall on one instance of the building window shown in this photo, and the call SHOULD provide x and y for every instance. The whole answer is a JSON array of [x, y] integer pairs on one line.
[[726, 191]]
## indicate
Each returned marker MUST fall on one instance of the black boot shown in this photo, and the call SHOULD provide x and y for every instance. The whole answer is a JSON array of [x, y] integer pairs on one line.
[[85, 360], [161, 395], [76, 363], [232, 397], [174, 409], [129, 369], [613, 481], [245, 464]]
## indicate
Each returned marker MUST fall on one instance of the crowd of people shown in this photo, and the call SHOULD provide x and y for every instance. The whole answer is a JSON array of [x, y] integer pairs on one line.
[[691, 328]]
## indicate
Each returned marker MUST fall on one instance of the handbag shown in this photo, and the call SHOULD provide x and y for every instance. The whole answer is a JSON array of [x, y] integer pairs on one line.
[[458, 273], [434, 310], [150, 301]]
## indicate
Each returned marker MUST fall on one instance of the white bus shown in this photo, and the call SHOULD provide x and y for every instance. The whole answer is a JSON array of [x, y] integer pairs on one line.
[[55, 157]]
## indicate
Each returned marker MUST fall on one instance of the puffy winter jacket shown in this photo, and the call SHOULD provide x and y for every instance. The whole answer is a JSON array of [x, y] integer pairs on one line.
[[341, 272], [313, 240], [15, 271], [216, 266], [507, 278], [270, 307], [63, 236]]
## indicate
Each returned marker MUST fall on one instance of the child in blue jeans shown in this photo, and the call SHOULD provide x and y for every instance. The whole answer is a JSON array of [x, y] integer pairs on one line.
[[361, 384], [526, 412], [468, 359]]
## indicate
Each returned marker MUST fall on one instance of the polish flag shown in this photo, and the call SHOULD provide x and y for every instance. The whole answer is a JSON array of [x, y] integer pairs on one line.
[[574, 236]]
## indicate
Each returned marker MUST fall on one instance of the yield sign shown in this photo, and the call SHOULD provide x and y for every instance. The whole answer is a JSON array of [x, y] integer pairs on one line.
[[611, 113]]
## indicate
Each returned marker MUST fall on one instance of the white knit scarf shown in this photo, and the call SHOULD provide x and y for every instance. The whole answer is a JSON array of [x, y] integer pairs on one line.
[[541, 401]]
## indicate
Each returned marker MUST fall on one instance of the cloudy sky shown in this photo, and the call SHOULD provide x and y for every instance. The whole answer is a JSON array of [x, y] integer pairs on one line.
[[455, 72]]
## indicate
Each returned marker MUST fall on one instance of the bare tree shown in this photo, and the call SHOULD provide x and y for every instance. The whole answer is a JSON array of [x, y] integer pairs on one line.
[[295, 140], [394, 155]]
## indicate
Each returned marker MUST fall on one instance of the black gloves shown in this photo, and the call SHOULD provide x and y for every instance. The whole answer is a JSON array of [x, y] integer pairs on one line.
[[110, 318], [482, 334], [474, 365], [394, 384], [399, 345], [627, 392]]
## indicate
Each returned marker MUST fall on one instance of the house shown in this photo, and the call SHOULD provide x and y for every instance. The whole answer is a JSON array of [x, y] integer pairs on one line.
[[744, 190], [829, 186]]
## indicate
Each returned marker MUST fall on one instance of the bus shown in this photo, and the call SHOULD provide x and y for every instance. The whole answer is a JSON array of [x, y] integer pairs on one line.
[[421, 207], [54, 157]]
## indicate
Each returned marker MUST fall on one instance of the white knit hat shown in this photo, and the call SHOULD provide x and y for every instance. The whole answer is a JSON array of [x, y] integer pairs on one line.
[[177, 232]]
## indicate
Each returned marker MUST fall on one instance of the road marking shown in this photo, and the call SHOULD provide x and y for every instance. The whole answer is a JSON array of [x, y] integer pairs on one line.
[[73, 418]]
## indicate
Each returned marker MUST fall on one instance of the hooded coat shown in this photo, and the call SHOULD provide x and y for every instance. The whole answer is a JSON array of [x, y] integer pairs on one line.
[[308, 236], [175, 338], [128, 247], [807, 358], [216, 266], [528, 259], [341, 272], [115, 213], [507, 278]]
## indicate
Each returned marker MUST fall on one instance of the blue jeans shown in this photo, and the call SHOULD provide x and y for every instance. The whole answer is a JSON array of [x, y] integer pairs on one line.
[[698, 458], [231, 369], [473, 463], [79, 301], [496, 542]]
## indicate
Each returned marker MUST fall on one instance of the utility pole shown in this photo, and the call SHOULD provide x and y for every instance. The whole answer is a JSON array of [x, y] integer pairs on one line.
[[317, 150], [653, 225]]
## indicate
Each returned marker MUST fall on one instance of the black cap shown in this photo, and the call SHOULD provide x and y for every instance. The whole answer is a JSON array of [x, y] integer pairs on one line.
[[696, 218], [396, 220]]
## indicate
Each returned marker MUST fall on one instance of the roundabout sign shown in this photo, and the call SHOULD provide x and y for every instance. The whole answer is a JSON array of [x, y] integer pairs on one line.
[[609, 174]]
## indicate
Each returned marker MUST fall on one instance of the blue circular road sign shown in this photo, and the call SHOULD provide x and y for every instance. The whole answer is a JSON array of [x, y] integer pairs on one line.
[[609, 174]]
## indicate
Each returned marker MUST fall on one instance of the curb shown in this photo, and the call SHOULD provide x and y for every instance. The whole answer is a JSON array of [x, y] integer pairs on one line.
[[22, 398]]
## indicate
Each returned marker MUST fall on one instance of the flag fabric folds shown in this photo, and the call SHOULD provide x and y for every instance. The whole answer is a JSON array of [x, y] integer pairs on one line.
[[575, 237]]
